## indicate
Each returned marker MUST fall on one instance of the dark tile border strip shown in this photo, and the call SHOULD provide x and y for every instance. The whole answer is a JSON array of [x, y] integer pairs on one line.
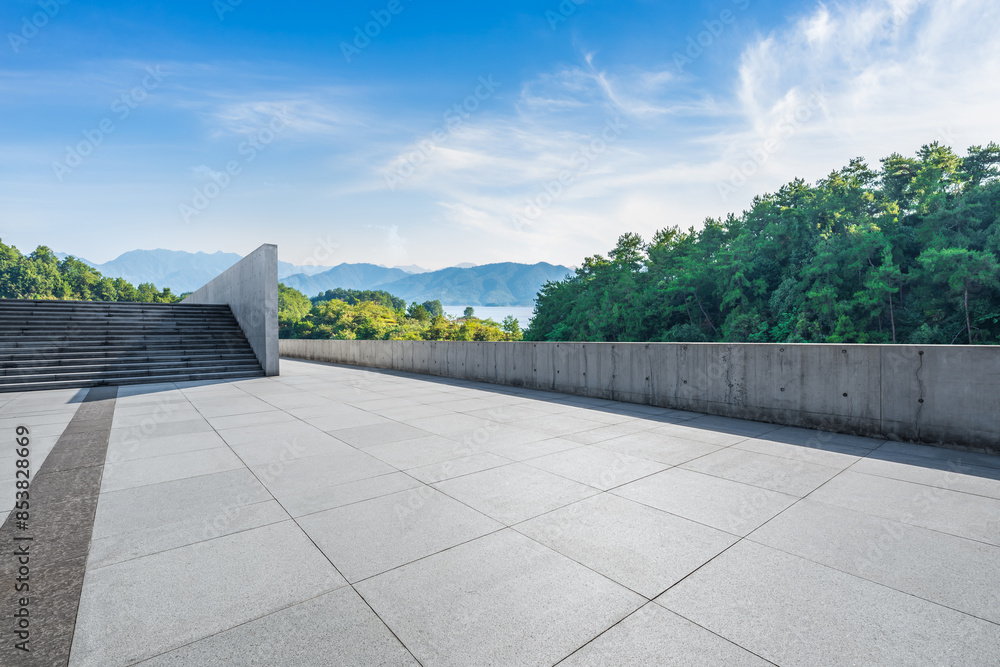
[[63, 503]]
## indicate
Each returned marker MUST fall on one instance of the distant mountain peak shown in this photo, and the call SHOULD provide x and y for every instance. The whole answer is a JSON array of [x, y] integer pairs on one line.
[[411, 268], [503, 284]]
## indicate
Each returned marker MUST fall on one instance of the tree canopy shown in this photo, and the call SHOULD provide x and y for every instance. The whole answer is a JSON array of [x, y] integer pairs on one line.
[[354, 297], [374, 315], [906, 253], [42, 275]]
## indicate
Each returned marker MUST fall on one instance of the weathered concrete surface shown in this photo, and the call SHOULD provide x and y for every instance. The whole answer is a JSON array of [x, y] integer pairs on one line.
[[942, 395], [250, 288]]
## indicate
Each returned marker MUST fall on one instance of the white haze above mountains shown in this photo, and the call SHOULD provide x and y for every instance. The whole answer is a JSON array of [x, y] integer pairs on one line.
[[504, 284]]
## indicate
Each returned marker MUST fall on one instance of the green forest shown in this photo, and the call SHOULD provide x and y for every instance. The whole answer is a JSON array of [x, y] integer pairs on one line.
[[375, 315], [42, 275], [906, 253]]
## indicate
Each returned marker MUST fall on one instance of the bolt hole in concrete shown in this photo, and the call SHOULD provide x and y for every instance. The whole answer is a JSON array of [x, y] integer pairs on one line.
[[845, 395]]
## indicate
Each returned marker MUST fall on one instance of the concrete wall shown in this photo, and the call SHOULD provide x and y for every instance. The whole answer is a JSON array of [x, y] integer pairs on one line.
[[250, 289], [931, 394]]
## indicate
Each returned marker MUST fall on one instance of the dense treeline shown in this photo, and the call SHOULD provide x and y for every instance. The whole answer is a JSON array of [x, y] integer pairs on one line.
[[42, 275], [906, 254], [354, 297], [375, 315]]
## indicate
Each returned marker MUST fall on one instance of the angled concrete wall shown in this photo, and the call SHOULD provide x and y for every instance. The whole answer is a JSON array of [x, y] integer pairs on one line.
[[250, 289], [931, 394]]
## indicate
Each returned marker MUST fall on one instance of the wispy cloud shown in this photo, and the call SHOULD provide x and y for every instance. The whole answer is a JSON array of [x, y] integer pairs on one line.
[[863, 78], [314, 115], [835, 81]]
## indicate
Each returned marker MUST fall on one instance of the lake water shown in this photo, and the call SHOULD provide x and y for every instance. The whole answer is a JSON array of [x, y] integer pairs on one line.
[[522, 313]]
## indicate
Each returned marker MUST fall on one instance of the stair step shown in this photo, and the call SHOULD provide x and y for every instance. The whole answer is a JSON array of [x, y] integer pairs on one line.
[[153, 379], [76, 322], [110, 366], [115, 372], [88, 374], [121, 330], [25, 341], [98, 304], [108, 312], [92, 352], [92, 334], [115, 316], [71, 344], [33, 361], [97, 351]]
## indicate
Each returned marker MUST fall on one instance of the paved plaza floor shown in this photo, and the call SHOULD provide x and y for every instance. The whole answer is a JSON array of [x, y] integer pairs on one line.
[[345, 516]]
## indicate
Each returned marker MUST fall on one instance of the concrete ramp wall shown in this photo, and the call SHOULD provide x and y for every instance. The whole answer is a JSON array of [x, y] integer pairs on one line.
[[250, 289], [931, 394]]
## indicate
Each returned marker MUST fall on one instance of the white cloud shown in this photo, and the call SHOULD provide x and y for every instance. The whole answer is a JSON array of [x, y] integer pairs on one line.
[[391, 247], [205, 173], [310, 115], [839, 81], [893, 74]]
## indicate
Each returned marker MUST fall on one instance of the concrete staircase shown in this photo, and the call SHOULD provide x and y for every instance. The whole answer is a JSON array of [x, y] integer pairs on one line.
[[69, 344]]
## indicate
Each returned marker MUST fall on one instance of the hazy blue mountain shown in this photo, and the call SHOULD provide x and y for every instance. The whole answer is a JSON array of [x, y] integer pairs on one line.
[[286, 269], [64, 255], [348, 276], [505, 284], [179, 270]]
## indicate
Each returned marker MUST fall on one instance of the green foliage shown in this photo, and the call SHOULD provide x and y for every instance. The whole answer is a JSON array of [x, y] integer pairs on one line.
[[372, 319], [434, 308], [904, 254], [512, 328], [354, 297], [293, 305], [418, 312], [42, 275]]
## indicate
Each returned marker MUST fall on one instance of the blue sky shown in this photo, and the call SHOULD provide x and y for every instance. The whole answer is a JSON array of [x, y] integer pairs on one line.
[[457, 132]]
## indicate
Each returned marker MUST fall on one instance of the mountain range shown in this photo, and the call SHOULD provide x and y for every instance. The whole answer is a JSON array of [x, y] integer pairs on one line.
[[503, 284], [180, 271]]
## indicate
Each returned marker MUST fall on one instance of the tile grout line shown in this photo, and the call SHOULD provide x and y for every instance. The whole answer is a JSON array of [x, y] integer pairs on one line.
[[669, 611], [871, 581], [503, 527], [195, 641], [307, 536], [713, 558], [748, 536]]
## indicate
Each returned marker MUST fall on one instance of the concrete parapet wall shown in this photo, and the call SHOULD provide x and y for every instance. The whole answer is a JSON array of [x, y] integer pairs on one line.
[[250, 289], [935, 394]]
